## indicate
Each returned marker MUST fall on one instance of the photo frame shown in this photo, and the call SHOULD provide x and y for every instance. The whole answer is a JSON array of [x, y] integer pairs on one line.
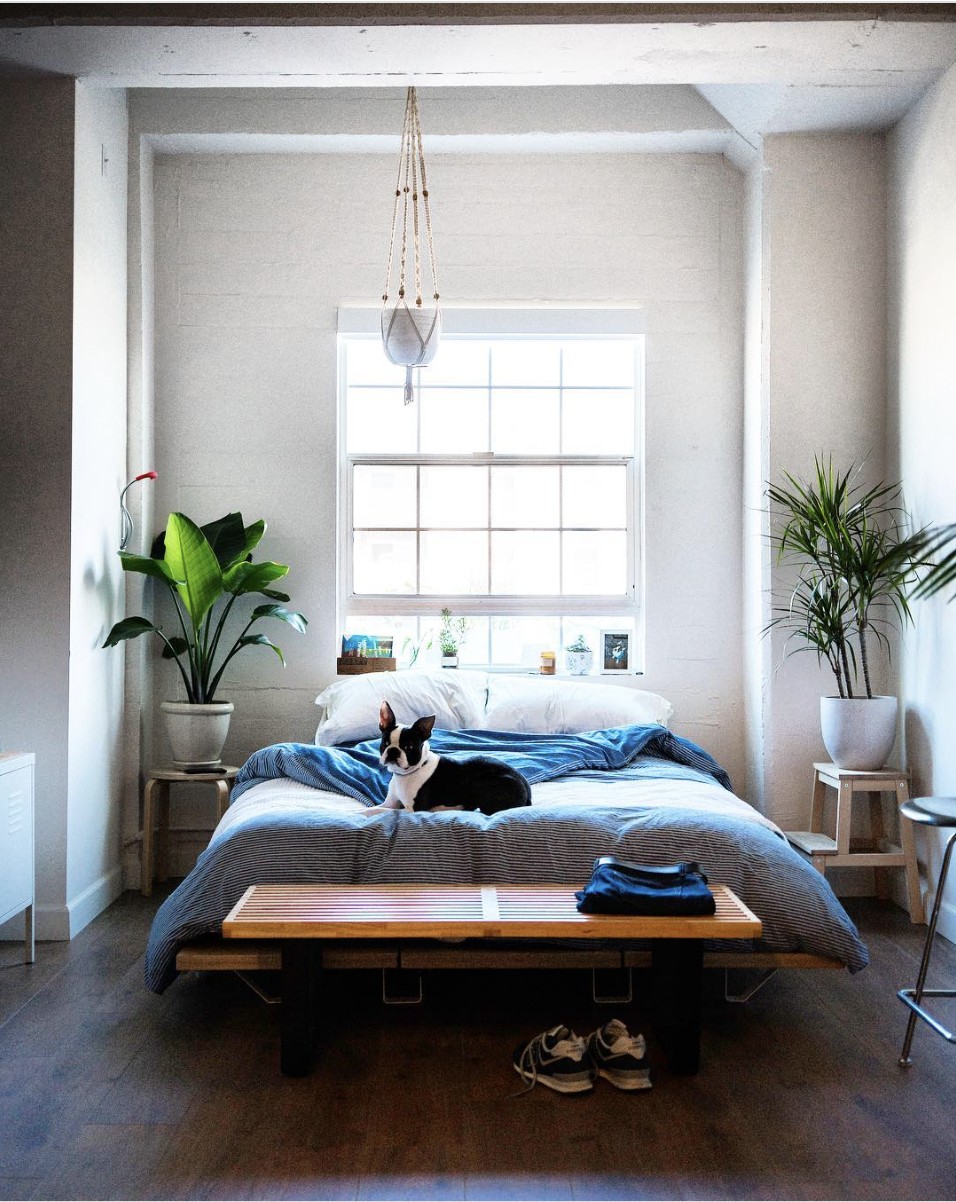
[[615, 652]]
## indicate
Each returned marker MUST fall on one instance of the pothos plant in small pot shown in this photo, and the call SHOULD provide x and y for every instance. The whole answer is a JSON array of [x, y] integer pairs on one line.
[[206, 570], [450, 637], [858, 561]]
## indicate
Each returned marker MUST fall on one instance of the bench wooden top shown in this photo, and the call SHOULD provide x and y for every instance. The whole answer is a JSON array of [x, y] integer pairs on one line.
[[463, 912]]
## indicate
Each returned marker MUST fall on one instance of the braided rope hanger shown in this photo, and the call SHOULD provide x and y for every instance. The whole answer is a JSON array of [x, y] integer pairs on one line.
[[410, 336]]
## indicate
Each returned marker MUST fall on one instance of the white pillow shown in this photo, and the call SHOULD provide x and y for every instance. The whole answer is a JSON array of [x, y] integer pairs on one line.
[[568, 707], [456, 698]]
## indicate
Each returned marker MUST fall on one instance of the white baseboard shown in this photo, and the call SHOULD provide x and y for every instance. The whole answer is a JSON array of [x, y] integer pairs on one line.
[[53, 923], [94, 899]]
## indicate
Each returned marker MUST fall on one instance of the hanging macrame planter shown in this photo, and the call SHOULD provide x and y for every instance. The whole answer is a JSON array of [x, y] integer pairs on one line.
[[411, 329]]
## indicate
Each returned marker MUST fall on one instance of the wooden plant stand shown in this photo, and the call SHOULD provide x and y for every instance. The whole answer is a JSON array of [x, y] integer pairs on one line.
[[826, 852]]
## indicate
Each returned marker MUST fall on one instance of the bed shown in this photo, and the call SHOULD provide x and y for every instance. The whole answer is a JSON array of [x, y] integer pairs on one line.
[[607, 777]]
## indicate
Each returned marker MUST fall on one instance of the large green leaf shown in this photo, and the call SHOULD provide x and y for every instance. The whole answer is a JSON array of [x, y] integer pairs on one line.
[[175, 646], [194, 566], [252, 577], [231, 541], [259, 640], [148, 567], [290, 616], [129, 628]]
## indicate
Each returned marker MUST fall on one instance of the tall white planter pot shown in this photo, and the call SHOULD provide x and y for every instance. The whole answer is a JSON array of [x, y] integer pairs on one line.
[[858, 732], [197, 733]]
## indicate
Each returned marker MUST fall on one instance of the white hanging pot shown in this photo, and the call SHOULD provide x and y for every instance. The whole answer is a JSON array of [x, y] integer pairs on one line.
[[197, 733], [411, 331], [858, 732], [410, 337]]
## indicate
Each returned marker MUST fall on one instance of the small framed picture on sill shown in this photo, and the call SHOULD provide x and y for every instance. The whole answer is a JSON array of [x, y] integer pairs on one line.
[[615, 651]]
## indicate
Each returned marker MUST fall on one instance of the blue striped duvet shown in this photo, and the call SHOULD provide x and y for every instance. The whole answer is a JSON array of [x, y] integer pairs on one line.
[[304, 835]]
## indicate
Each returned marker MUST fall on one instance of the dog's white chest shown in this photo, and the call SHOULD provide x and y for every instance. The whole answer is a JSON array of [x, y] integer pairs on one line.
[[403, 787]]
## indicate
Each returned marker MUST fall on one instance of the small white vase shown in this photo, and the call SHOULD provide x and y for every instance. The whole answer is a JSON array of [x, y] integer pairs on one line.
[[858, 732], [449, 661], [578, 663], [197, 733]]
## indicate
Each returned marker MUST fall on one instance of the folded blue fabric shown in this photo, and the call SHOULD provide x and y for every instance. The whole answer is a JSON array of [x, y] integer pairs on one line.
[[621, 887]]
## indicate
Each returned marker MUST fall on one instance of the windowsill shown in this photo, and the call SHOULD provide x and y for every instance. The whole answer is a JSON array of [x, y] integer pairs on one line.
[[519, 670]]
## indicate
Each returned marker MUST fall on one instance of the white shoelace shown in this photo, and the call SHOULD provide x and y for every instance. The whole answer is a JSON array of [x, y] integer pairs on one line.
[[572, 1048]]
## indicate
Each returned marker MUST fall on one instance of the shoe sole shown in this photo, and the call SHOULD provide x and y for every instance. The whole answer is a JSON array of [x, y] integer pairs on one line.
[[553, 1083], [627, 1082]]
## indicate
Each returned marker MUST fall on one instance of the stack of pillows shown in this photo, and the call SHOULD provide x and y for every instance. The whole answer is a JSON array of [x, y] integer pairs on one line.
[[464, 700]]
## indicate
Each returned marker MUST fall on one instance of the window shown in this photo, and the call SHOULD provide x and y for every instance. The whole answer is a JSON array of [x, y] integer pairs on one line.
[[507, 492]]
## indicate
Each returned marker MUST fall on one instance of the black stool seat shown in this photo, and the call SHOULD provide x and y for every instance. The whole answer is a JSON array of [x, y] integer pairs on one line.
[[931, 811]]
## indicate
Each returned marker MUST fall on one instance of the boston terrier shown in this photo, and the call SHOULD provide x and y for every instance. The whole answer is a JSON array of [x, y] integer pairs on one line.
[[423, 780]]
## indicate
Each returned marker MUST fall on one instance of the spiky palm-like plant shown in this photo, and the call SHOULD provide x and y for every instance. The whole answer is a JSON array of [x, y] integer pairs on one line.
[[857, 561]]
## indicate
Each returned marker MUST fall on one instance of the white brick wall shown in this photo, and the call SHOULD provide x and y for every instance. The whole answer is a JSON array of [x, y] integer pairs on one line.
[[255, 252]]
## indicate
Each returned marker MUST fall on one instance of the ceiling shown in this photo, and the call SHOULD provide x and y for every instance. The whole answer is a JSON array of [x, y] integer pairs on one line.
[[764, 67]]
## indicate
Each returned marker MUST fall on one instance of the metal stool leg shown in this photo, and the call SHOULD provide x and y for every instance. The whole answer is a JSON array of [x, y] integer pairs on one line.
[[914, 997]]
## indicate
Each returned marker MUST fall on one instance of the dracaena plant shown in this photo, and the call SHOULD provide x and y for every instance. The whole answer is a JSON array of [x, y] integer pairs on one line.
[[858, 562], [206, 570]]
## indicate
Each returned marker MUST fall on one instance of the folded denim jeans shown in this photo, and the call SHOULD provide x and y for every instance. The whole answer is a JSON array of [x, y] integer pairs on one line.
[[620, 887]]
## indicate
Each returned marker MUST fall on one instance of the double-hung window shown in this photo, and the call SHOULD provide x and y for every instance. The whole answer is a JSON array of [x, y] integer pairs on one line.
[[508, 492]]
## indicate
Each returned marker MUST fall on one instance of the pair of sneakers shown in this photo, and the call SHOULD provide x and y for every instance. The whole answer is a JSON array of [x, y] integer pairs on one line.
[[571, 1063]]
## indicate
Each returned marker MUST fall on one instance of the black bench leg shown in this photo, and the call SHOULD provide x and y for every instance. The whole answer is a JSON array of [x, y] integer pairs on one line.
[[298, 957], [677, 980]]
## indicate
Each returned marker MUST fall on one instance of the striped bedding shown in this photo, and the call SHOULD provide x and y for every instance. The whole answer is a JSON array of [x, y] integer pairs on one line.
[[652, 809]]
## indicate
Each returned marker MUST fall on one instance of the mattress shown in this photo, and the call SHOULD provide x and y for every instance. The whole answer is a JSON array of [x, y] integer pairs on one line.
[[283, 831]]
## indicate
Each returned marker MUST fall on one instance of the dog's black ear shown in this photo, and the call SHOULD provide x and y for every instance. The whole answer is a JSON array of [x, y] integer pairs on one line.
[[386, 719], [423, 727]]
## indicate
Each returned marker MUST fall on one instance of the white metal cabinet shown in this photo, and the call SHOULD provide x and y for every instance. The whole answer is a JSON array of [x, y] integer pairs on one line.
[[16, 840]]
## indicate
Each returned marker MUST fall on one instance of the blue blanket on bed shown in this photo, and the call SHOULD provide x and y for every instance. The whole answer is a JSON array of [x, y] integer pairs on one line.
[[297, 837], [355, 770]]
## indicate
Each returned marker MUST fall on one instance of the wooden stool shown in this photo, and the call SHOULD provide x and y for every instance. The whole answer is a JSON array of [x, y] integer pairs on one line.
[[158, 781], [825, 852]]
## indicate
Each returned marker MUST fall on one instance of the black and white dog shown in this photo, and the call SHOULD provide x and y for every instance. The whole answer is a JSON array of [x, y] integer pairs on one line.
[[423, 780]]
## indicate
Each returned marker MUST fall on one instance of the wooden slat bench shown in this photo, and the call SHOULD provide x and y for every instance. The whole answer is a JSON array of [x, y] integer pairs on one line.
[[298, 917]]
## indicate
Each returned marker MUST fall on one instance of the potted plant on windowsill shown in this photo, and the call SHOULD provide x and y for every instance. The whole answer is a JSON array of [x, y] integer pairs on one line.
[[578, 656], [206, 570], [450, 637], [858, 562]]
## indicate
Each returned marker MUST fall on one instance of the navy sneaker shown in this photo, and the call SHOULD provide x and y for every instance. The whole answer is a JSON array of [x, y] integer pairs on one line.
[[558, 1059], [619, 1057]]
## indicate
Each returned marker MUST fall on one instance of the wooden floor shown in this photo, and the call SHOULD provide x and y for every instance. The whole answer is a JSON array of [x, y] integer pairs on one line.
[[108, 1091]]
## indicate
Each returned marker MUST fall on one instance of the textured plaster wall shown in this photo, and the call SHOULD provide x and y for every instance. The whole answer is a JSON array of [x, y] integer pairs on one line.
[[823, 390], [922, 411], [36, 349], [94, 874]]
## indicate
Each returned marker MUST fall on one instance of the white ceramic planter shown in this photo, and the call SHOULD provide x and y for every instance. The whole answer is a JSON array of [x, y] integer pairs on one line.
[[449, 661], [197, 733], [858, 732], [578, 663]]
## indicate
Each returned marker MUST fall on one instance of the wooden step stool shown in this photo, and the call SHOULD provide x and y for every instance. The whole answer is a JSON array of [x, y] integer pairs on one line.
[[825, 852]]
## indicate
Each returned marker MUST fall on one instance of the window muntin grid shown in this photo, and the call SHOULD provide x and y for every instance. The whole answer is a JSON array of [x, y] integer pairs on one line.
[[486, 494]]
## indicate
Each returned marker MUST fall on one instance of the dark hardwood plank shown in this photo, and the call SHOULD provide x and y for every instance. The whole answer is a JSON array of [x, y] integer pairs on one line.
[[108, 1091]]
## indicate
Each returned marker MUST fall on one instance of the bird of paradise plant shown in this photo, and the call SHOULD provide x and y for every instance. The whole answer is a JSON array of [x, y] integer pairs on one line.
[[206, 570]]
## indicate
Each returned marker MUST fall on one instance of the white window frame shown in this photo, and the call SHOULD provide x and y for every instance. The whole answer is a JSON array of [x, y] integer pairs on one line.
[[560, 324]]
